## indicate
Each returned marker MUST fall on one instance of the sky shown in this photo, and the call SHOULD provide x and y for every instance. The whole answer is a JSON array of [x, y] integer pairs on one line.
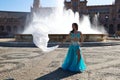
[[24, 5]]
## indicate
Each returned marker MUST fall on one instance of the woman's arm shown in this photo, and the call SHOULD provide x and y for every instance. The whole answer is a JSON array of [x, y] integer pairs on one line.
[[81, 37]]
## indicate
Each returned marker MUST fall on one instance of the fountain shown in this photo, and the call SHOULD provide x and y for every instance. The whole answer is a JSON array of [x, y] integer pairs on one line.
[[58, 25]]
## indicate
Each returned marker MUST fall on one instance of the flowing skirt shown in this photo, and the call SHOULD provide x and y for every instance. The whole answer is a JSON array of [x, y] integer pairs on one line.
[[71, 60]]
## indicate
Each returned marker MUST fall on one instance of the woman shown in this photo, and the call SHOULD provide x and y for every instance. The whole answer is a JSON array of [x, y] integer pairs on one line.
[[74, 60]]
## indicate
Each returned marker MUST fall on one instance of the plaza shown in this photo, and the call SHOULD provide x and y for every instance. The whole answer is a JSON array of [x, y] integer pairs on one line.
[[20, 59], [103, 63]]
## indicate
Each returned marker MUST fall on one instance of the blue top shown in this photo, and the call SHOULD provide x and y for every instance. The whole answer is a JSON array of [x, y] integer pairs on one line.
[[75, 35]]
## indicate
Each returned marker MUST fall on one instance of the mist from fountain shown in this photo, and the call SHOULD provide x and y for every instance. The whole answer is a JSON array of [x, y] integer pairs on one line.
[[59, 22], [96, 25]]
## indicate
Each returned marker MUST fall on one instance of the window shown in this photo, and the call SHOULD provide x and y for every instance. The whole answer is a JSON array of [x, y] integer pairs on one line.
[[106, 10], [1, 28], [15, 29], [118, 27], [67, 1], [119, 16], [106, 18], [75, 4], [119, 11], [82, 0], [111, 29], [8, 28]]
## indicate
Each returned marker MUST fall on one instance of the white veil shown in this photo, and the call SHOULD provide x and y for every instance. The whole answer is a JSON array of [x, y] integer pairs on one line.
[[40, 37]]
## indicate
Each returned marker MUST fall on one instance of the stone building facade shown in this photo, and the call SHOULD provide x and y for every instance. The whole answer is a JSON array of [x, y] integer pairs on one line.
[[14, 22], [11, 23], [109, 15]]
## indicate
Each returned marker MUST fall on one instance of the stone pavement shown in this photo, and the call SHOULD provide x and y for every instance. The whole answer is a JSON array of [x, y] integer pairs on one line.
[[103, 63]]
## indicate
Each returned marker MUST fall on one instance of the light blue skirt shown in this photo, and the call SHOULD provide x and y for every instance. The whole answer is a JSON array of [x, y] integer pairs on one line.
[[71, 60]]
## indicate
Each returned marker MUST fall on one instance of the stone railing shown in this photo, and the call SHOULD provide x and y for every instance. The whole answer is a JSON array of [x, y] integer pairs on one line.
[[60, 37]]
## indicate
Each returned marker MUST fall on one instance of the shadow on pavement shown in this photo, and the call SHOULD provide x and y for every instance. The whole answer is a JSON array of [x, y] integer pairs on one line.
[[58, 74]]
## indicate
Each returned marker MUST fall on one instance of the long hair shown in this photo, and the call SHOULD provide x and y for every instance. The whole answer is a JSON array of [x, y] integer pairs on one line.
[[76, 26]]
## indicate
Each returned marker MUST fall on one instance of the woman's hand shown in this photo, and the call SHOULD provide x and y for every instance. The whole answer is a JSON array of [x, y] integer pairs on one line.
[[80, 44]]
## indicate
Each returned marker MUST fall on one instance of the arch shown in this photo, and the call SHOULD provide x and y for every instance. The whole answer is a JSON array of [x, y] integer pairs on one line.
[[3, 32], [118, 10], [111, 29], [8, 28], [118, 27], [2, 28], [15, 29], [105, 26]]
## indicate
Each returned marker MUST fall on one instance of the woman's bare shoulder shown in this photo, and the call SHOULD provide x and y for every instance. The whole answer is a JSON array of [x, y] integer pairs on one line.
[[80, 32]]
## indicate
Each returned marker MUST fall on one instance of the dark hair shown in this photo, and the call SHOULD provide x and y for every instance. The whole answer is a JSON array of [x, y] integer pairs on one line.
[[76, 26]]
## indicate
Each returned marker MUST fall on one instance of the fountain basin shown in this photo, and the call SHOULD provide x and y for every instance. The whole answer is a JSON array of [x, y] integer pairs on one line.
[[60, 37], [23, 38], [95, 37]]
